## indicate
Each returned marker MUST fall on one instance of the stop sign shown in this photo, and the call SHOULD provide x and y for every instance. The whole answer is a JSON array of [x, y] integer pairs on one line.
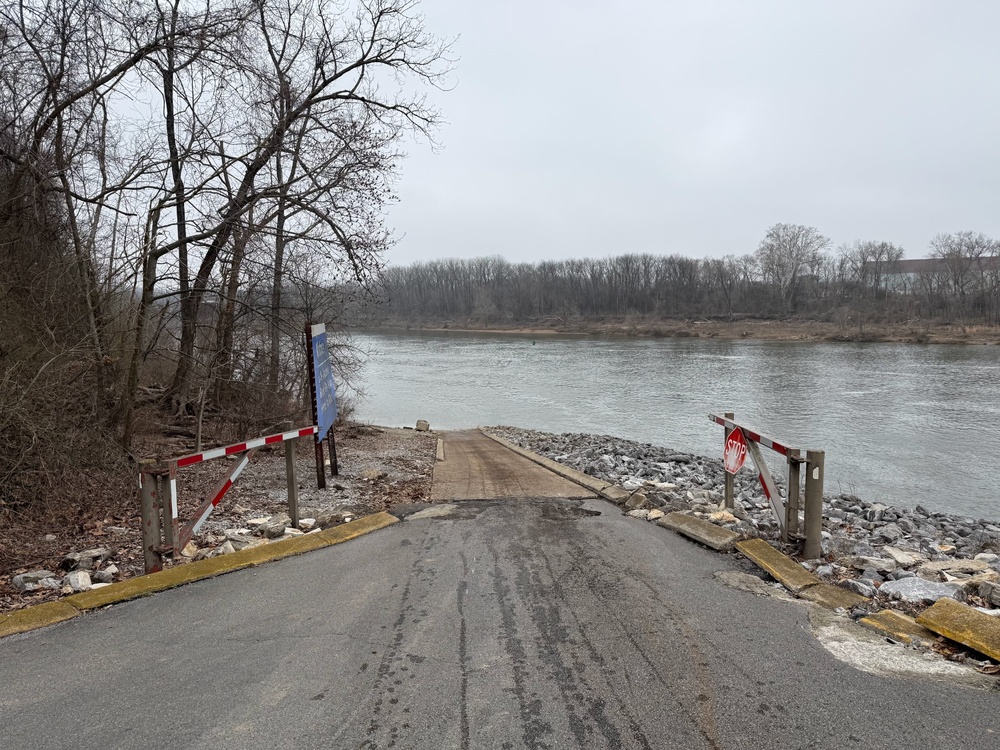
[[735, 454]]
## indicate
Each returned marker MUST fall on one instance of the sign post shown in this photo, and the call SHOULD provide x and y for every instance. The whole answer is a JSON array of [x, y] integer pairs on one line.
[[323, 391]]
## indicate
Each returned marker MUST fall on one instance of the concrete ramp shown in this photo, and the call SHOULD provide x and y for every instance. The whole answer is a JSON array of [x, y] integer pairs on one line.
[[477, 468]]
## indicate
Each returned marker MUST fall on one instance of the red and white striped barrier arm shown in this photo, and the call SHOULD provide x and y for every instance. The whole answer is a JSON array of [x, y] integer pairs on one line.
[[751, 435], [197, 458], [206, 510]]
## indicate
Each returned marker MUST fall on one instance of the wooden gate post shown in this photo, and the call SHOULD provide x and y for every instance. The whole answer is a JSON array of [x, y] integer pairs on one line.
[[813, 548], [150, 512]]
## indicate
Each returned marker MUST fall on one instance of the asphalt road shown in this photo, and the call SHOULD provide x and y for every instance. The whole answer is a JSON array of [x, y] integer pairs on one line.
[[513, 623]]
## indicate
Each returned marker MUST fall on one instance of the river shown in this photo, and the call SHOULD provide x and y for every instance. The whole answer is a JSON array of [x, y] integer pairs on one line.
[[902, 424]]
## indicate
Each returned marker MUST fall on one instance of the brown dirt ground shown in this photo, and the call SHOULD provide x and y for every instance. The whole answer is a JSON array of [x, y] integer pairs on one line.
[[913, 332], [379, 468]]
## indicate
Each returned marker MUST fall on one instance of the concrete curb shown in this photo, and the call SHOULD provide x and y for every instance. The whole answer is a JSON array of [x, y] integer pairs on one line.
[[781, 567], [598, 486], [795, 578], [51, 613], [39, 616], [703, 532], [897, 626], [963, 624]]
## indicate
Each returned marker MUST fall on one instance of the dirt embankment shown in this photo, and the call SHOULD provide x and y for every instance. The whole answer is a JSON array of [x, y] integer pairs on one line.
[[913, 332]]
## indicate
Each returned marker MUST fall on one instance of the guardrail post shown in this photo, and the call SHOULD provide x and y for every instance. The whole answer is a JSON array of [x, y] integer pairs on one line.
[[794, 484], [293, 482], [730, 501], [150, 513], [815, 461]]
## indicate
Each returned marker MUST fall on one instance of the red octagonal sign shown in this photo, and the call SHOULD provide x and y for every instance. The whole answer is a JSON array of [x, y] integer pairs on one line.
[[735, 454]]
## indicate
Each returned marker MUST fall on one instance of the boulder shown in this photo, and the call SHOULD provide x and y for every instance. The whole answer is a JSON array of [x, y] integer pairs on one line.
[[423, 425], [862, 588], [722, 516], [904, 558], [105, 575], [240, 541], [224, 549], [655, 514], [273, 530], [860, 562], [636, 500], [931, 571], [890, 532], [990, 592], [919, 591], [275, 526], [79, 580], [29, 581], [639, 513]]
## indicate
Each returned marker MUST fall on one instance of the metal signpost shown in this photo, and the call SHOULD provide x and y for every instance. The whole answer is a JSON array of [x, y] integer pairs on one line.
[[324, 398]]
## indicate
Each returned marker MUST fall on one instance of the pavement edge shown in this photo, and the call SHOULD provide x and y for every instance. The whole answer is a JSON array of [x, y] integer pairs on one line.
[[50, 613]]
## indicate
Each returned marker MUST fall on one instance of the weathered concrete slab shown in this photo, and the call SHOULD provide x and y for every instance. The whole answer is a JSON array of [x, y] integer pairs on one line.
[[831, 597], [477, 467], [965, 625], [578, 477], [781, 567], [897, 626], [32, 618], [699, 530]]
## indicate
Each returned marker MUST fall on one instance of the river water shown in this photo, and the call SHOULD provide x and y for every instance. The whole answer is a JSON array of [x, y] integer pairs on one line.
[[902, 424]]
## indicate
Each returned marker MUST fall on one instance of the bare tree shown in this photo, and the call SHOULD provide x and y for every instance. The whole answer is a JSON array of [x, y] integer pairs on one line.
[[787, 252]]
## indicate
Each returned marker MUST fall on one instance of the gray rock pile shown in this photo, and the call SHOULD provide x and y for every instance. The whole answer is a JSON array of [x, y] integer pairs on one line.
[[95, 568], [913, 556], [79, 571], [221, 539]]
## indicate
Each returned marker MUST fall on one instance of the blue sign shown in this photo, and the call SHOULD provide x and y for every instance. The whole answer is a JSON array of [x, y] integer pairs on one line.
[[325, 397]]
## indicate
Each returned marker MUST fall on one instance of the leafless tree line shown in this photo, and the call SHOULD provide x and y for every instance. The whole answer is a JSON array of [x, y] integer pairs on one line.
[[793, 272], [182, 185]]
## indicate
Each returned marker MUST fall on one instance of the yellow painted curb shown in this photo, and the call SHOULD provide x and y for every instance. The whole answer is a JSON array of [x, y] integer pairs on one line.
[[831, 597], [704, 532], [578, 477], [215, 566], [39, 616], [963, 624], [781, 567], [897, 626]]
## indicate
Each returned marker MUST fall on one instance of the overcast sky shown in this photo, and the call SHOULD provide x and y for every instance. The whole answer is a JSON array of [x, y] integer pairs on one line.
[[578, 128]]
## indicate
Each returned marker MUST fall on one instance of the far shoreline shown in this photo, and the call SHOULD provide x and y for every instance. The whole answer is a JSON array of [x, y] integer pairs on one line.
[[751, 329]]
